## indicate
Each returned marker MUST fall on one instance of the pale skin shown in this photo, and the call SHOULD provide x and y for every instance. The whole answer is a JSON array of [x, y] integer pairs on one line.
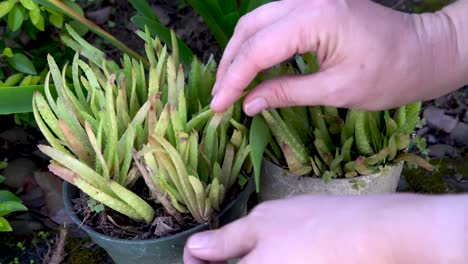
[[371, 58]]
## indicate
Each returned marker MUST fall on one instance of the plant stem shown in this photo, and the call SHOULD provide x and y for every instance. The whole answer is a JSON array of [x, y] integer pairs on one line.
[[162, 197]]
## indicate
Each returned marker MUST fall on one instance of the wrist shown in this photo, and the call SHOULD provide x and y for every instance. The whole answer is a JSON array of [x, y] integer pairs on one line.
[[442, 49], [430, 229]]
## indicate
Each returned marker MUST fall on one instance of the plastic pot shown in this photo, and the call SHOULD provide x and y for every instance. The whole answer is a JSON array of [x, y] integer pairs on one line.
[[278, 183], [166, 250]]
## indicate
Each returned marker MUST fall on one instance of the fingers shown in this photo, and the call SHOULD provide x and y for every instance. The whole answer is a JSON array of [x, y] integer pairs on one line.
[[247, 26], [322, 88], [189, 259], [266, 48], [231, 241]]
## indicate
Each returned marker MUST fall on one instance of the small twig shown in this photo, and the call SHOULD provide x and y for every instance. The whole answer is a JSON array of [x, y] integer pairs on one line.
[[59, 250], [162, 197], [127, 229]]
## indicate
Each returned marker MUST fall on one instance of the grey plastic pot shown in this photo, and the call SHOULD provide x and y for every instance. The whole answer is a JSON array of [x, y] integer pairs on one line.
[[166, 250], [278, 183]]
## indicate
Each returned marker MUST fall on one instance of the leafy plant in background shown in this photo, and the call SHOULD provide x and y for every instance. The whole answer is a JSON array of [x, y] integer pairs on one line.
[[9, 203], [27, 39], [17, 99], [95, 129], [21, 12], [335, 143], [29, 18], [221, 17]]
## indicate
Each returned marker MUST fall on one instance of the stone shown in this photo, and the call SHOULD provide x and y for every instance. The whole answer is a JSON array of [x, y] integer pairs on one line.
[[437, 118], [52, 188], [34, 198], [17, 171], [100, 16], [460, 133], [162, 14], [440, 151], [15, 135]]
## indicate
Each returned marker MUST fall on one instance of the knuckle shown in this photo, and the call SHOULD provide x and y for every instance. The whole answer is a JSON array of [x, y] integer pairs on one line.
[[281, 92], [243, 24], [259, 213], [249, 53], [338, 97]]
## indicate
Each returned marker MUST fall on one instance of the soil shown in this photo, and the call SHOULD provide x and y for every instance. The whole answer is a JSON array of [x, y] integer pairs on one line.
[[114, 224], [117, 225], [187, 24]]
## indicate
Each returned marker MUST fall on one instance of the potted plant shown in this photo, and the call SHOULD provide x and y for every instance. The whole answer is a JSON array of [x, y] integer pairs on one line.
[[146, 163], [320, 149]]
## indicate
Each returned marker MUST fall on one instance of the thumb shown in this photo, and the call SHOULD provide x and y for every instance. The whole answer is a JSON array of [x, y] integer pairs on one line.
[[231, 241], [327, 87]]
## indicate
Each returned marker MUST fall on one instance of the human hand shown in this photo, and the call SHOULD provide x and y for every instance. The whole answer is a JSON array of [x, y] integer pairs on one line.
[[317, 229], [371, 57]]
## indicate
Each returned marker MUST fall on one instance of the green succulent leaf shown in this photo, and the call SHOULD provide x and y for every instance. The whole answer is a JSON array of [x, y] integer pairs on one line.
[[259, 138], [157, 29], [408, 157]]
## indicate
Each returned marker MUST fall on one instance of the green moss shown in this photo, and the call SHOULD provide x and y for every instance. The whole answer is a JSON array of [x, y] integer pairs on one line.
[[422, 181], [430, 5], [80, 255], [88, 256]]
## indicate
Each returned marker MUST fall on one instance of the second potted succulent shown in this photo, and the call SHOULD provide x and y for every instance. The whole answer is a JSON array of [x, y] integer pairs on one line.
[[146, 162], [321, 149]]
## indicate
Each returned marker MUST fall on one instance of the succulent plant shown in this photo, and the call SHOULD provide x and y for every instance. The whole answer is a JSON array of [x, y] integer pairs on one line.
[[194, 158], [331, 142], [121, 123]]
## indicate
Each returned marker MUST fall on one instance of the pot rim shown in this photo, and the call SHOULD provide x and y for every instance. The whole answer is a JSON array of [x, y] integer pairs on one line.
[[392, 166], [72, 213]]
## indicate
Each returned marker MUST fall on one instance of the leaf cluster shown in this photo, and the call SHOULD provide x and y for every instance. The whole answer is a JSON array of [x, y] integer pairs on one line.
[[9, 203], [332, 143], [116, 124]]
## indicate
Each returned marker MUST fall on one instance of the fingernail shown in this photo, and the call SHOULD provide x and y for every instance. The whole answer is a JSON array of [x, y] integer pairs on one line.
[[215, 89], [255, 106], [214, 102], [199, 241]]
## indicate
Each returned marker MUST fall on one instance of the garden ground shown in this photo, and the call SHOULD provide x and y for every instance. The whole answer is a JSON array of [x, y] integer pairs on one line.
[[40, 235]]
